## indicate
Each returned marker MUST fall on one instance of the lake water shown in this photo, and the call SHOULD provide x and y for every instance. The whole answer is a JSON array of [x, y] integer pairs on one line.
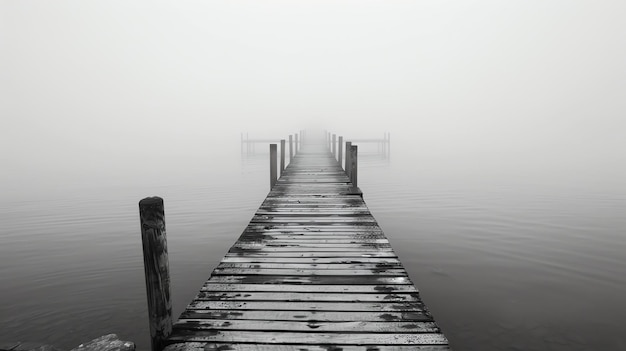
[[504, 260]]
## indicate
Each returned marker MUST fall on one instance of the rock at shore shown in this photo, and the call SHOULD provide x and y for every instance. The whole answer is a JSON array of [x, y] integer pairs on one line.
[[26, 346], [108, 342]]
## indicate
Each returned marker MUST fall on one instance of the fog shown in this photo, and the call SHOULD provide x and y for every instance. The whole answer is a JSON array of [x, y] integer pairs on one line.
[[105, 91]]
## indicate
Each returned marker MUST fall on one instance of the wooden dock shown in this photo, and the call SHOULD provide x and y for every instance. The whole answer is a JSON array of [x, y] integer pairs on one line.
[[311, 271]]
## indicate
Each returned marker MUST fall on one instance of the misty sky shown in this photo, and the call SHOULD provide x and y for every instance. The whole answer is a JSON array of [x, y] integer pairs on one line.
[[93, 84]]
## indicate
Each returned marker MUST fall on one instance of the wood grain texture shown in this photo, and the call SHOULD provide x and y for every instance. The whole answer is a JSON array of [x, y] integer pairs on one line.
[[311, 271], [200, 346]]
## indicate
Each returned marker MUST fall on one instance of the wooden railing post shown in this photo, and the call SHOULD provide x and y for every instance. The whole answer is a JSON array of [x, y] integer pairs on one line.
[[290, 147], [340, 150], [354, 151], [282, 156], [348, 153], [296, 143], [156, 267], [273, 164], [334, 147]]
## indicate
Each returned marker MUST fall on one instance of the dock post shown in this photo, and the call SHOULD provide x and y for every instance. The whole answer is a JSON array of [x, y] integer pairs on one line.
[[330, 143], [340, 150], [156, 267], [290, 147], [334, 146], [273, 159], [282, 156], [296, 142], [353, 165], [348, 164]]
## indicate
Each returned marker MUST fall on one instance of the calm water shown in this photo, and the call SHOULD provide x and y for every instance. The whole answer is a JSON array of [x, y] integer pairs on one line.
[[503, 263]]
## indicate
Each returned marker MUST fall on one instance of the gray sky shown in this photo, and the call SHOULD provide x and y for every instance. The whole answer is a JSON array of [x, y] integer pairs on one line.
[[97, 81]]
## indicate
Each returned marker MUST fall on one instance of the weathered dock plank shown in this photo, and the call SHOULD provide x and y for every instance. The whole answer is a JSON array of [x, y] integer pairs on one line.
[[342, 316], [307, 296], [199, 346], [311, 271]]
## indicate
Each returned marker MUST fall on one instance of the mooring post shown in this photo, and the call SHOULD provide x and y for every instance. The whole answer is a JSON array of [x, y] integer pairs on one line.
[[282, 156], [334, 147], [156, 267], [296, 144], [340, 150], [330, 142], [353, 165], [273, 164], [290, 147], [348, 164]]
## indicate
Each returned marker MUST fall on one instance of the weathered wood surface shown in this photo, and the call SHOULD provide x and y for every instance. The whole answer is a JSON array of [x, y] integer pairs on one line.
[[156, 267], [311, 271]]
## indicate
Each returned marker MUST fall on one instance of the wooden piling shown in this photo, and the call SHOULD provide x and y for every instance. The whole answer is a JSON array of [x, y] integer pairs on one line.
[[348, 164], [340, 150], [282, 156], [353, 165], [290, 148], [296, 142], [334, 146], [273, 164], [156, 267], [330, 142]]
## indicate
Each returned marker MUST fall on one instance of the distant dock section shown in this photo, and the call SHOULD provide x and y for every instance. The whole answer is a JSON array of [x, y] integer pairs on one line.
[[249, 145]]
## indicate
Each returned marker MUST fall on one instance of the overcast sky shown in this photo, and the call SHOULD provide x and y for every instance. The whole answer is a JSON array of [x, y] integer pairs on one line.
[[97, 81]]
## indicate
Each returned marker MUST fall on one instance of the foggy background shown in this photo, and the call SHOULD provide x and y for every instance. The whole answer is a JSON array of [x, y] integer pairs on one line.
[[101, 91], [504, 194]]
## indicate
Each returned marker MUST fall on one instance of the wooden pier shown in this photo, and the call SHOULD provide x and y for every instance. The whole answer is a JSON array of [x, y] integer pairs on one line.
[[311, 271]]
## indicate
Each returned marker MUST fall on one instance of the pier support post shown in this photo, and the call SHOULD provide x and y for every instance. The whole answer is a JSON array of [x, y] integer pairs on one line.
[[156, 267], [348, 164], [353, 165], [340, 150], [334, 146], [330, 143], [273, 164], [282, 156], [290, 147], [297, 147]]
